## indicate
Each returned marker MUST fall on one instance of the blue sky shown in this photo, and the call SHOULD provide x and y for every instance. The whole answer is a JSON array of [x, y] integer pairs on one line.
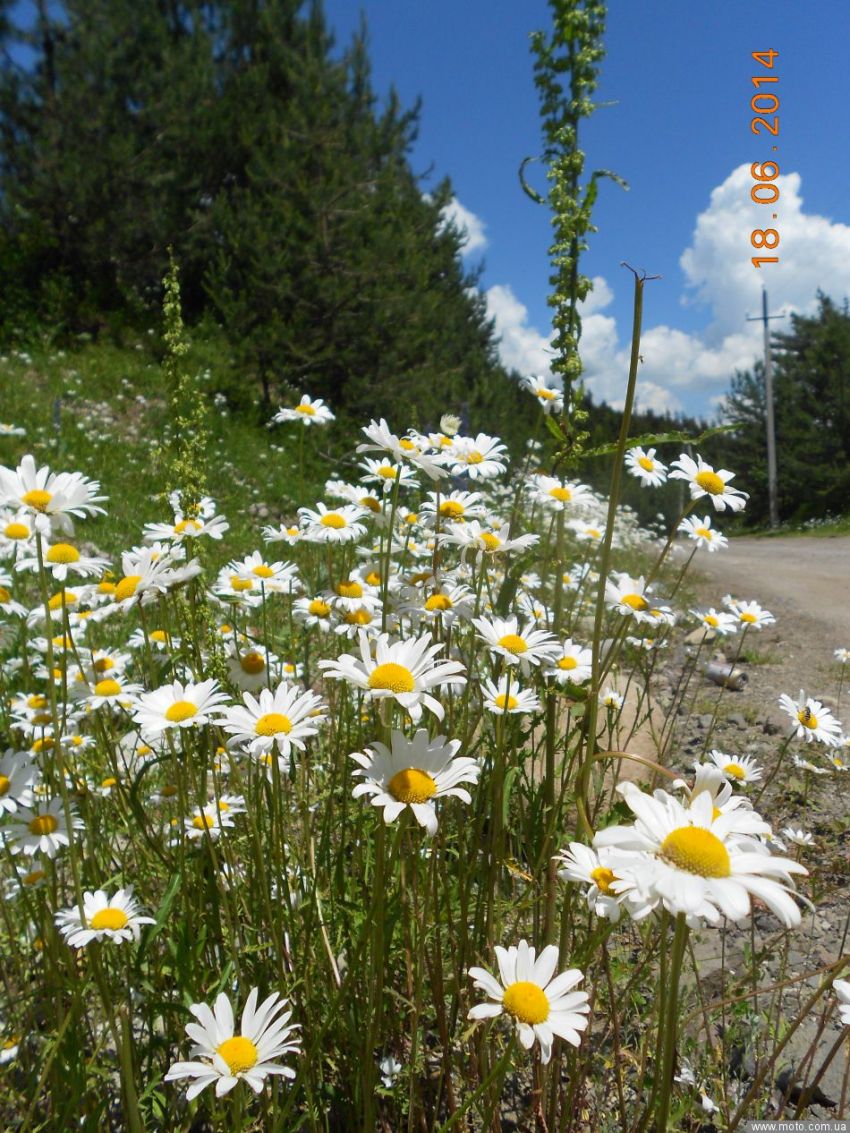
[[679, 133]]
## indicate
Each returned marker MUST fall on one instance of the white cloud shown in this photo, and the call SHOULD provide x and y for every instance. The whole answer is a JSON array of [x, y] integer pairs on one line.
[[522, 347], [814, 253], [472, 226]]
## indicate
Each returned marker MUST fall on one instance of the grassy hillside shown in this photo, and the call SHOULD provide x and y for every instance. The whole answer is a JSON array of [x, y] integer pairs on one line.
[[104, 411]]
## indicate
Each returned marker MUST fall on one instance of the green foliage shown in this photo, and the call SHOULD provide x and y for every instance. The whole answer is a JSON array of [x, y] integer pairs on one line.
[[240, 135], [811, 377]]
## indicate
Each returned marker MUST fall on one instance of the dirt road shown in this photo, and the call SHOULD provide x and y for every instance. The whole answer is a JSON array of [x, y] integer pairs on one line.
[[809, 577]]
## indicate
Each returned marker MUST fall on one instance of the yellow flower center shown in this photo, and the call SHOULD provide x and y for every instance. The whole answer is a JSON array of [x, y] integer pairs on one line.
[[252, 663], [109, 918], [491, 542], [109, 783], [564, 495], [807, 718], [360, 617], [513, 643], [103, 665], [127, 587], [412, 786], [5, 596], [333, 519], [203, 821], [262, 571], [602, 878], [239, 1053], [106, 587], [37, 700], [43, 824], [41, 718], [395, 678], [370, 503], [704, 532], [438, 602], [750, 619], [505, 701], [62, 553], [546, 394], [107, 688], [711, 620], [237, 583], [44, 744], [62, 641], [526, 1002], [373, 578], [159, 636], [567, 663], [407, 445], [646, 464], [16, 531], [451, 509], [710, 482], [187, 525], [308, 411], [33, 877], [180, 710], [474, 457], [272, 724], [349, 590], [37, 499], [735, 770], [318, 608], [5, 784], [387, 472], [634, 601], [696, 850]]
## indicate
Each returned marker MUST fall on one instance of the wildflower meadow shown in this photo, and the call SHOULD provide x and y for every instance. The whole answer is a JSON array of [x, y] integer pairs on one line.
[[407, 802]]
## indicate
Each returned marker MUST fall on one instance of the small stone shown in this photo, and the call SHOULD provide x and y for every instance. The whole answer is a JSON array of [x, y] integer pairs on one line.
[[737, 719]]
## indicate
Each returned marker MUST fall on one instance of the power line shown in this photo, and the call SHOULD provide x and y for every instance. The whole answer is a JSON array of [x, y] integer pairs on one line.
[[765, 318]]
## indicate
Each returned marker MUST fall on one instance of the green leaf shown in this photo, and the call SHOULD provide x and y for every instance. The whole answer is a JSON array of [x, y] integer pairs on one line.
[[526, 188], [660, 439]]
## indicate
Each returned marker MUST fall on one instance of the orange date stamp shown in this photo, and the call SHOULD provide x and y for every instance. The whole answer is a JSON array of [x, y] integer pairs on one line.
[[764, 105]]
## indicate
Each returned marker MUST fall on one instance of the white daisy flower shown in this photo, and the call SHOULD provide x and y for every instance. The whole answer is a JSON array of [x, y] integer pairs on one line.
[[628, 596], [812, 720], [524, 647], [573, 664], [385, 474], [290, 534], [842, 656], [752, 614], [402, 448], [223, 1057], [8, 605], [283, 719], [549, 396], [41, 829], [612, 699], [178, 706], [209, 821], [309, 411], [703, 534], [404, 670], [507, 697], [481, 457], [646, 467], [325, 525], [62, 559], [353, 592], [557, 495], [737, 768], [798, 837], [312, 612], [704, 481], [274, 577], [486, 540], [606, 893], [54, 496], [592, 532], [447, 604], [699, 863], [454, 507], [249, 666], [9, 430], [17, 775], [103, 918], [187, 527], [540, 1006], [719, 621], [110, 692], [842, 991], [414, 773]]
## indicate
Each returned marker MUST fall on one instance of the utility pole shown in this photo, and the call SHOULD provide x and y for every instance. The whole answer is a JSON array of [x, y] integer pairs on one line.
[[764, 317]]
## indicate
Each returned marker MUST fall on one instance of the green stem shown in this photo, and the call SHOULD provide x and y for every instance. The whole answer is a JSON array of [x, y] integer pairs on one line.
[[671, 1023]]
